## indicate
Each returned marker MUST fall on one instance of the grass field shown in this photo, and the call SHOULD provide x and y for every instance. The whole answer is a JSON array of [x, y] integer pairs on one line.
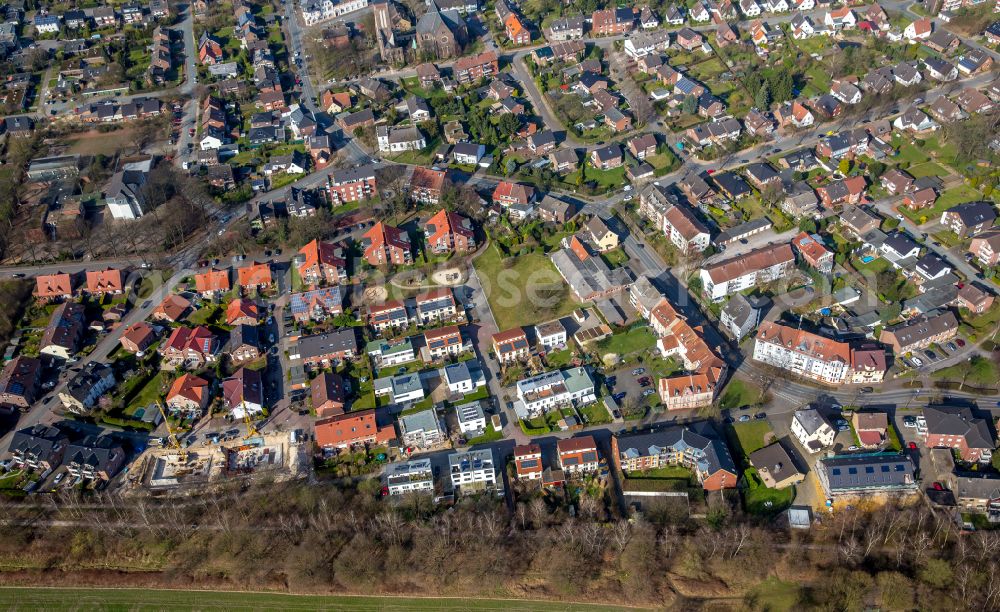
[[510, 290], [927, 169], [739, 393], [637, 339], [752, 435], [102, 143], [151, 599]]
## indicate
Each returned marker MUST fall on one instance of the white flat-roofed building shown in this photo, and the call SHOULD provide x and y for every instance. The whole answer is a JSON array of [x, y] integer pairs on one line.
[[473, 470], [410, 477], [551, 336], [471, 418], [539, 394]]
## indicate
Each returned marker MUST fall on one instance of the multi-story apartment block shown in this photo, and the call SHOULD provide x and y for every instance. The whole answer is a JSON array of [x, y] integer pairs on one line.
[[759, 266], [550, 390]]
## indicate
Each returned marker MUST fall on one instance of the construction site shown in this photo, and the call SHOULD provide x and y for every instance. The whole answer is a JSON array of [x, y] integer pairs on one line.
[[278, 455]]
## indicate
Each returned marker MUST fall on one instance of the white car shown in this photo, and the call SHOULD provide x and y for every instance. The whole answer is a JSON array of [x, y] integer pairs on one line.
[[917, 361], [627, 188]]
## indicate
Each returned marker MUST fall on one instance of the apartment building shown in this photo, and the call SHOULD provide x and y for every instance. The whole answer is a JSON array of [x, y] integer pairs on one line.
[[735, 274], [550, 390]]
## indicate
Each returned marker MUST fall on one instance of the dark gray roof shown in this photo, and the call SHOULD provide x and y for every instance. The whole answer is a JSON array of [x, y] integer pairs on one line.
[[845, 473], [714, 454], [95, 451], [974, 213], [331, 342], [775, 460], [38, 440], [977, 487], [959, 421]]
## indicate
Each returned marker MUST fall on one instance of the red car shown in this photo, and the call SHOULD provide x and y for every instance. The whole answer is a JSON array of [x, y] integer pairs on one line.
[[912, 445], [191, 132], [938, 486]]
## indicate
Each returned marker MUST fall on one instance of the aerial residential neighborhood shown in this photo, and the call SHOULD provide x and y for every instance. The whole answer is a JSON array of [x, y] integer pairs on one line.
[[621, 275]]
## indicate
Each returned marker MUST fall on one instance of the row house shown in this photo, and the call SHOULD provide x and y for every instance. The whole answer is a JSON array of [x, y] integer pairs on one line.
[[19, 383], [191, 348], [548, 391], [351, 429], [612, 21], [316, 304], [920, 332], [85, 389], [845, 191], [443, 342], [62, 336], [212, 282], [325, 350], [511, 346], [388, 315], [53, 287], [578, 455], [39, 447], [436, 305]]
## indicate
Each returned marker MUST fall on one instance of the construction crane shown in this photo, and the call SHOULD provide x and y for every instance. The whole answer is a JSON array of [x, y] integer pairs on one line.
[[172, 440], [251, 428]]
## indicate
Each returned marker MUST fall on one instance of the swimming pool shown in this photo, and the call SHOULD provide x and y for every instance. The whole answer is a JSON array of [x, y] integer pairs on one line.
[[867, 259]]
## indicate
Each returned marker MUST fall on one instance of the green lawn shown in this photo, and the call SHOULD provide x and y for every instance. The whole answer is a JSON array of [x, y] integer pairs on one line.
[[879, 264], [57, 599], [596, 413], [206, 315], [776, 595], [927, 169], [149, 393], [751, 434], [609, 179], [957, 195], [635, 339], [491, 435], [947, 199], [670, 471], [739, 393], [527, 291], [559, 359], [910, 154], [759, 499], [615, 258]]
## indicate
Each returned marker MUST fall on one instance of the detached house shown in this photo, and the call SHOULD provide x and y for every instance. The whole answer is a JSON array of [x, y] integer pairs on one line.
[[970, 218]]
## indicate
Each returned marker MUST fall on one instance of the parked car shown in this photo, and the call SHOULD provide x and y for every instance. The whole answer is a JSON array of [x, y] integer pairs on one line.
[[648, 392], [853, 447], [960, 342], [951, 347], [760, 415], [912, 446], [638, 371], [916, 361], [744, 418]]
